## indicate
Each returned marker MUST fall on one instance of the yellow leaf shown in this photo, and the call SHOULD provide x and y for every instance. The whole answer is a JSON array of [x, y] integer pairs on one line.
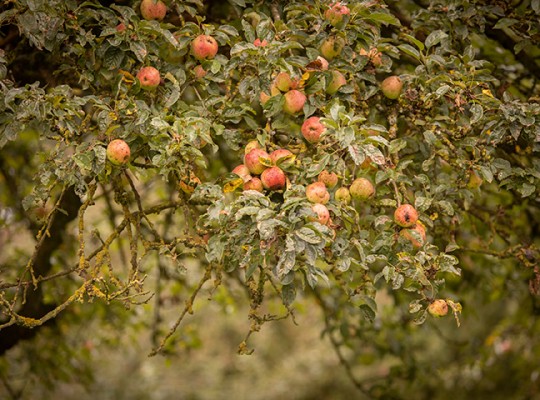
[[231, 186]]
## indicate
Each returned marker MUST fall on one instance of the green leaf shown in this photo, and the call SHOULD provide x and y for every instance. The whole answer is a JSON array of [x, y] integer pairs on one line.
[[384, 18], [409, 50], [415, 41], [435, 38], [505, 23], [477, 112]]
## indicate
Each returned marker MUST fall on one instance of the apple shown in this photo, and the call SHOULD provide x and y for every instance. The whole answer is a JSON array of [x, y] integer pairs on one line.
[[343, 195], [294, 102], [242, 171], [264, 97], [199, 72], [254, 184], [258, 43], [391, 87], [317, 193], [151, 9], [312, 129], [337, 80], [439, 308], [320, 64], [405, 216], [335, 15], [121, 27], [252, 144], [148, 78], [282, 157], [273, 178], [330, 179], [416, 234], [362, 189], [204, 47], [118, 152], [374, 55], [252, 161], [332, 47], [323, 215], [283, 81]]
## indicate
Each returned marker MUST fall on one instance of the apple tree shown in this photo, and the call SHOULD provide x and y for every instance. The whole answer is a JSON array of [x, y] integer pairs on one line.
[[377, 160]]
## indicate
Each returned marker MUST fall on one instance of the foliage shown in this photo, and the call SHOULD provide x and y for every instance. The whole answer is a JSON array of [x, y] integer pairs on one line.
[[461, 144]]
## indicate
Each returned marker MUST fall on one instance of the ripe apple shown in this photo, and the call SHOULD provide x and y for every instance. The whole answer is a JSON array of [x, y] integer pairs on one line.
[[391, 87], [273, 178], [294, 102], [149, 78], [199, 72], [362, 189], [323, 215], [252, 144], [320, 64], [337, 80], [204, 47], [343, 195], [416, 234], [121, 27], [405, 216], [283, 81], [258, 43], [332, 47], [312, 129], [282, 157], [439, 308], [335, 15], [152, 9], [253, 162], [118, 152], [254, 184], [242, 171], [330, 179], [264, 97], [317, 193]]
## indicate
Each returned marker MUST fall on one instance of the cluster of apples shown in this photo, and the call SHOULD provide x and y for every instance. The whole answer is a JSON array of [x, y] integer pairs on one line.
[[261, 171], [413, 230]]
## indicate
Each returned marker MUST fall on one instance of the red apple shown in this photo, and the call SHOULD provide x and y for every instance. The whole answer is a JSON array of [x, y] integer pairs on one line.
[[254, 184], [282, 157], [151, 9], [199, 72], [391, 87], [253, 162], [330, 179], [294, 102], [337, 80], [242, 171], [312, 129], [121, 27], [405, 215], [317, 193], [118, 152], [273, 178], [204, 47], [362, 189], [149, 78], [416, 234], [323, 215], [335, 15]]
